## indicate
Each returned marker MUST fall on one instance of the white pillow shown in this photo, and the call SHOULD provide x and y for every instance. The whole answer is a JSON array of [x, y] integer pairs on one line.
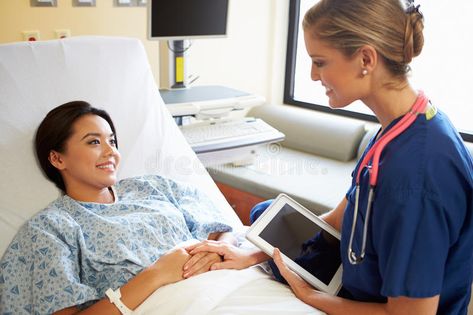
[[109, 73]]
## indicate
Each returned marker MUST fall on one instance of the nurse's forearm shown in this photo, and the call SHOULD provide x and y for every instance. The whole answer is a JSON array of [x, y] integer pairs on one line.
[[335, 216], [333, 305]]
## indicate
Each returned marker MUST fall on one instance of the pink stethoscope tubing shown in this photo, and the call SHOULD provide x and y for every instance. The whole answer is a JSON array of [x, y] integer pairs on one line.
[[373, 155]]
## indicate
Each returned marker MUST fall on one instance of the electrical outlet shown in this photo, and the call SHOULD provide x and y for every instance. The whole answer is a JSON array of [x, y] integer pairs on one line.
[[30, 36], [124, 3], [83, 3], [43, 3], [64, 33]]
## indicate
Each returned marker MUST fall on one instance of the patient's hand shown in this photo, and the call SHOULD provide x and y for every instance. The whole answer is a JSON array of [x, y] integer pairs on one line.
[[169, 266], [200, 263]]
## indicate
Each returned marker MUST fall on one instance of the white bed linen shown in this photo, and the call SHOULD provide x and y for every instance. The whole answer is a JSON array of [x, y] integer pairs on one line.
[[247, 291]]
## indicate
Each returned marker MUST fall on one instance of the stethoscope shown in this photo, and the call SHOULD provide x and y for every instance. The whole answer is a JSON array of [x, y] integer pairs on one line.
[[373, 155]]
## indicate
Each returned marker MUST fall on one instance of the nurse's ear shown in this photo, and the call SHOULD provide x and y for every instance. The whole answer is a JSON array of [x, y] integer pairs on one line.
[[56, 160], [368, 57]]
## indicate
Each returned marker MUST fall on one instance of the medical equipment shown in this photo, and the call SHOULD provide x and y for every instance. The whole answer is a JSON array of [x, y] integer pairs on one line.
[[373, 155], [227, 134], [208, 101]]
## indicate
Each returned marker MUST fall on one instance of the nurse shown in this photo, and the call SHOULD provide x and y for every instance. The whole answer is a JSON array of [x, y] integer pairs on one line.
[[418, 249]]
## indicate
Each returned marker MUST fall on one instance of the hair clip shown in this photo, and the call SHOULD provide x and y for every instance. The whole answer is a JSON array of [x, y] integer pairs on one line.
[[413, 8]]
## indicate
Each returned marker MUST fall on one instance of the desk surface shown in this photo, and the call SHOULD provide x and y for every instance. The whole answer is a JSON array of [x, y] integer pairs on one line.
[[199, 94], [207, 100]]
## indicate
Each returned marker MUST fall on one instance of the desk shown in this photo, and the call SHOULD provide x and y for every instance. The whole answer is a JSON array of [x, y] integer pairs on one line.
[[217, 101], [201, 99]]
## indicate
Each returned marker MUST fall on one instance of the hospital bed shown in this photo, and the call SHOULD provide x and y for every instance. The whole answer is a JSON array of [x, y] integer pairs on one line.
[[114, 74]]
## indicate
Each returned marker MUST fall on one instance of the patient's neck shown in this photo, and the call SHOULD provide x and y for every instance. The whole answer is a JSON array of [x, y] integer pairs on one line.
[[104, 195]]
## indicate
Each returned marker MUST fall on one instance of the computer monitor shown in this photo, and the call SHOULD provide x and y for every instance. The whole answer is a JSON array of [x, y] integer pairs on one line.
[[187, 19], [178, 21]]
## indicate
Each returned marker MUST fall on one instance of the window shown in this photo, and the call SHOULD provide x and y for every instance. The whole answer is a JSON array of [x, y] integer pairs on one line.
[[444, 69]]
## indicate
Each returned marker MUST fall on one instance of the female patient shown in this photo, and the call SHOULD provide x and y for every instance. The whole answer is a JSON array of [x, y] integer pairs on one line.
[[419, 239], [101, 233]]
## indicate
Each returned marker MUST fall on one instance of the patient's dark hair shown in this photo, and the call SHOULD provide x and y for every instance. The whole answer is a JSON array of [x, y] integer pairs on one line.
[[55, 130]]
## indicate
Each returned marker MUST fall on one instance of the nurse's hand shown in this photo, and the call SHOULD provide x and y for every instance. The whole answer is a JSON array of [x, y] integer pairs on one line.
[[301, 289], [200, 263]]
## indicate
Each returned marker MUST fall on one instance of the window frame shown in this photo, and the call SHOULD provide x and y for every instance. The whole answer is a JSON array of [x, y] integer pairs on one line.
[[289, 76]]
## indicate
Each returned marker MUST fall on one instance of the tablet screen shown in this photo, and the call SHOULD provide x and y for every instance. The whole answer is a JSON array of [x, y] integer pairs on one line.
[[298, 237]]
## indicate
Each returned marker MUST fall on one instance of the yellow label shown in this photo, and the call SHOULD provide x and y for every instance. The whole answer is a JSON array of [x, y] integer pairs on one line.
[[179, 69], [430, 112]]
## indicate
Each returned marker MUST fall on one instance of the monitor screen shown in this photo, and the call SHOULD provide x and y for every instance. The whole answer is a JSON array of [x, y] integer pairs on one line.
[[182, 19]]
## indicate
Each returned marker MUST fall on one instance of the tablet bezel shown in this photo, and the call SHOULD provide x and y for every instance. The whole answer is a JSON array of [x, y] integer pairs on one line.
[[253, 235]]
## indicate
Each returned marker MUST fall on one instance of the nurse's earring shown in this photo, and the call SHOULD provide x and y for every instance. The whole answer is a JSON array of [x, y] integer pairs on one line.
[[364, 72]]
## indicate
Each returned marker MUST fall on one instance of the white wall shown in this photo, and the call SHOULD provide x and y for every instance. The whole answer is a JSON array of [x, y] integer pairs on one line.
[[251, 58]]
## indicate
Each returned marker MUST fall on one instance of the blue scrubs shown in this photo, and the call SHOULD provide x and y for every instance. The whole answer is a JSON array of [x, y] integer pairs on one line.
[[420, 235]]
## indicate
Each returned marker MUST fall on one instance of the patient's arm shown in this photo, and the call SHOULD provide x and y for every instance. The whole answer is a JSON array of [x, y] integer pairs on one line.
[[166, 270]]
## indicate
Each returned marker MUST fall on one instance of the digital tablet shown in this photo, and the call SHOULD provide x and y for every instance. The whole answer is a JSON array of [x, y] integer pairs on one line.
[[288, 226]]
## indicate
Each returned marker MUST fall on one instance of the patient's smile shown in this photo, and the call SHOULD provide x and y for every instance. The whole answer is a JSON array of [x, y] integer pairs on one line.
[[107, 166]]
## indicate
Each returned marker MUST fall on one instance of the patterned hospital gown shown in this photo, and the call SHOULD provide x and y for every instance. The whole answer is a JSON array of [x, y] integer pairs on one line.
[[71, 252]]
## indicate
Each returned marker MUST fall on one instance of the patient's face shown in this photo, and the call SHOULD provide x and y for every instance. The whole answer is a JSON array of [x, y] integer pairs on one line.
[[91, 159]]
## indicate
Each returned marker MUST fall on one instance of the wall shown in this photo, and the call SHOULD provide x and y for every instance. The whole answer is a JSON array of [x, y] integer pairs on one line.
[[104, 19], [243, 60]]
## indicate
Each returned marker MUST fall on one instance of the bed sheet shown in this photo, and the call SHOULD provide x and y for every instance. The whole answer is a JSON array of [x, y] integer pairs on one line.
[[247, 291]]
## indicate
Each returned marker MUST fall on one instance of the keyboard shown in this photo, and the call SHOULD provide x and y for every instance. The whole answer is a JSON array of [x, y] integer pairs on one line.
[[228, 134]]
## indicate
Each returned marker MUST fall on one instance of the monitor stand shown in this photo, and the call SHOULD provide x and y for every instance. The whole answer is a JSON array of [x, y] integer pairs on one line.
[[174, 58]]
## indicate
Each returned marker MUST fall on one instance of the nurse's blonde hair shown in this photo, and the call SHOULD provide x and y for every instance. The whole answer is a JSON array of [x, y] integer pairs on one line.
[[393, 29]]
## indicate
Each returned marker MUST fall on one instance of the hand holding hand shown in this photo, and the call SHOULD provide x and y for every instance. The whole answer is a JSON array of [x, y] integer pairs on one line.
[[200, 263], [232, 256]]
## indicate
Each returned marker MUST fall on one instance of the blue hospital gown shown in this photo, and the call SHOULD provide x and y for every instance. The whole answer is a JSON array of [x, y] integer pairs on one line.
[[71, 252]]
